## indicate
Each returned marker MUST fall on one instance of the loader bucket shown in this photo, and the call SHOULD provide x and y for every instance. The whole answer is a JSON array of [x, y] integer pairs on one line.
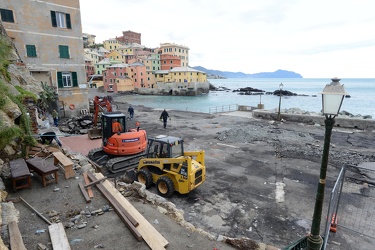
[[94, 133]]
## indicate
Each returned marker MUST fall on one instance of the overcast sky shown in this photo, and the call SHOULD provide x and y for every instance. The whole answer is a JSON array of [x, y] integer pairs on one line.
[[317, 39]]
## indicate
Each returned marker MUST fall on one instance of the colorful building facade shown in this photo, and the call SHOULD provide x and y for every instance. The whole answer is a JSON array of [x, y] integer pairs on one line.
[[48, 38]]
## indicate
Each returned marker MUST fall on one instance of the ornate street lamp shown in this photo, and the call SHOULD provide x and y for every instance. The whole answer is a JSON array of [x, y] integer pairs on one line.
[[332, 96], [280, 94]]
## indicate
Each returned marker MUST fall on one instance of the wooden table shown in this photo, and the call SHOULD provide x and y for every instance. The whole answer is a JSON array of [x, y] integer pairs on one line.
[[19, 173], [43, 168]]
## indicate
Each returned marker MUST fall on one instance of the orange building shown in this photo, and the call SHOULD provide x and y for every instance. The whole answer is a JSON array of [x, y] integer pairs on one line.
[[168, 62]]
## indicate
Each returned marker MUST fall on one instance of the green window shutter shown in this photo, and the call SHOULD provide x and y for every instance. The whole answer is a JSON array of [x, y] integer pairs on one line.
[[30, 51], [7, 15], [68, 23], [64, 51], [53, 18], [75, 80], [59, 80]]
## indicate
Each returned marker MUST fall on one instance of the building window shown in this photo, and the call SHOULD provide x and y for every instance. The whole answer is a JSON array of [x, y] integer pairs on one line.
[[60, 20], [7, 15], [30, 51], [64, 51], [67, 79]]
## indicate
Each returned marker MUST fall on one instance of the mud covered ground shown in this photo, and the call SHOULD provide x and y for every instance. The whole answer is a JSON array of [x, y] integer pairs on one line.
[[261, 175], [260, 185]]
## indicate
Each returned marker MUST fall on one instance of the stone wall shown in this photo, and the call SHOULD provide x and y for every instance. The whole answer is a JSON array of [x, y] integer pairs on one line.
[[176, 88], [344, 122]]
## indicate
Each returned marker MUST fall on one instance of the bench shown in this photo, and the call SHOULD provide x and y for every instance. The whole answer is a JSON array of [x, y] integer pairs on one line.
[[20, 174], [65, 162], [43, 168]]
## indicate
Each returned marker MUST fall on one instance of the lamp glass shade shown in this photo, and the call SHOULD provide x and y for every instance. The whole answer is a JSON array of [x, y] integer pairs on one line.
[[281, 86], [332, 96], [332, 104]]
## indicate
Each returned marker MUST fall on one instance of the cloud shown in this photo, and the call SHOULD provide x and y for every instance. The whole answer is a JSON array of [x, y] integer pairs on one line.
[[249, 36]]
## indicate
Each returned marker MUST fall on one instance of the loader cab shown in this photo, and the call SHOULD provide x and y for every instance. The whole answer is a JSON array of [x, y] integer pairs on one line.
[[108, 121], [166, 146]]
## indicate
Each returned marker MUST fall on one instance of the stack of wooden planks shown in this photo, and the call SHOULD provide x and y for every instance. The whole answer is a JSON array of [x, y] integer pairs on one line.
[[139, 226], [41, 150]]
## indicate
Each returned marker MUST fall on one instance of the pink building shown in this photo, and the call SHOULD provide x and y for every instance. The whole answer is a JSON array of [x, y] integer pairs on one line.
[[90, 69], [139, 75], [111, 74]]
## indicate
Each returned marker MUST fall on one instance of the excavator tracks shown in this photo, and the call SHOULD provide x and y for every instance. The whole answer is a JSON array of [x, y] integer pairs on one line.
[[114, 164]]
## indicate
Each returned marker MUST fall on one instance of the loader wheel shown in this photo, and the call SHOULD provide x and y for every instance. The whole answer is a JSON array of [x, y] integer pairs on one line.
[[144, 176], [165, 186]]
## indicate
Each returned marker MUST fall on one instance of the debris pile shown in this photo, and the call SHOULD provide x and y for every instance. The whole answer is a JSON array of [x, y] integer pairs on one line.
[[77, 124]]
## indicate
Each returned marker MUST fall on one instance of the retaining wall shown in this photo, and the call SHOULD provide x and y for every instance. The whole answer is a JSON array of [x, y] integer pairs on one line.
[[345, 122]]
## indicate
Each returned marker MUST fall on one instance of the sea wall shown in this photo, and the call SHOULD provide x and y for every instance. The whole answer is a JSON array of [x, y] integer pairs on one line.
[[176, 88], [344, 122]]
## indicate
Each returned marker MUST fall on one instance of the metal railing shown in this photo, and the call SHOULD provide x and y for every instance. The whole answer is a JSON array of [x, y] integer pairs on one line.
[[297, 245], [224, 108], [350, 185]]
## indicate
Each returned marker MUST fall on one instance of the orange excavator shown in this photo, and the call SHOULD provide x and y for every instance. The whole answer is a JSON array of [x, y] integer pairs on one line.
[[118, 142], [120, 147], [103, 104]]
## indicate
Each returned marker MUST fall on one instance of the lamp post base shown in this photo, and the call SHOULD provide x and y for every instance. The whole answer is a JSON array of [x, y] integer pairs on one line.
[[314, 242]]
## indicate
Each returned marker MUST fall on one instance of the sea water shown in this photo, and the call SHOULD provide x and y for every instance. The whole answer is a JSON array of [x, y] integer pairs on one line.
[[361, 91]]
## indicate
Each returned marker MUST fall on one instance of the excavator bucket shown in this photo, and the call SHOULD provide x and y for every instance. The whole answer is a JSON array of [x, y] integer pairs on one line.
[[94, 133]]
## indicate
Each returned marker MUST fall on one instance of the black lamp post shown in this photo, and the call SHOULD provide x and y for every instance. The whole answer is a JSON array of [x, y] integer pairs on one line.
[[332, 96], [280, 94]]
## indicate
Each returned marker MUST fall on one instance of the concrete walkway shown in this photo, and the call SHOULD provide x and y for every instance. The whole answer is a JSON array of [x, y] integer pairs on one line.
[[247, 114], [80, 143]]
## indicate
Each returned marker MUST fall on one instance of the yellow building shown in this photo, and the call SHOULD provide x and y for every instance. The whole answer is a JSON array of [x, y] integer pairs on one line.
[[180, 74], [124, 84], [130, 49], [111, 44], [116, 56]]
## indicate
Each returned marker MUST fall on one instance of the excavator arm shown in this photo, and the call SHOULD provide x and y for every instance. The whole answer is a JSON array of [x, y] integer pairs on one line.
[[100, 103]]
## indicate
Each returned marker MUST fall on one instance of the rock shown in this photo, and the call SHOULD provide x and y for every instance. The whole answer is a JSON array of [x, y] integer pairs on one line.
[[162, 210], [9, 150], [11, 109], [41, 246], [83, 225], [69, 225]]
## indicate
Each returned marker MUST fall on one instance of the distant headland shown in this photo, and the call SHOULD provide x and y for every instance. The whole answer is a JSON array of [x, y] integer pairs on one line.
[[217, 74]]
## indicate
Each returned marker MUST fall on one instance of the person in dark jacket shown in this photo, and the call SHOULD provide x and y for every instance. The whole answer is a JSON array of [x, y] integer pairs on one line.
[[131, 112], [164, 116]]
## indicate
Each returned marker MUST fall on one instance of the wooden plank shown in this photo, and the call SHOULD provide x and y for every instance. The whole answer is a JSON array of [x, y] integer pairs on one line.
[[85, 194], [16, 241], [39, 214], [152, 237], [94, 182], [87, 181], [112, 200], [58, 237], [129, 221]]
